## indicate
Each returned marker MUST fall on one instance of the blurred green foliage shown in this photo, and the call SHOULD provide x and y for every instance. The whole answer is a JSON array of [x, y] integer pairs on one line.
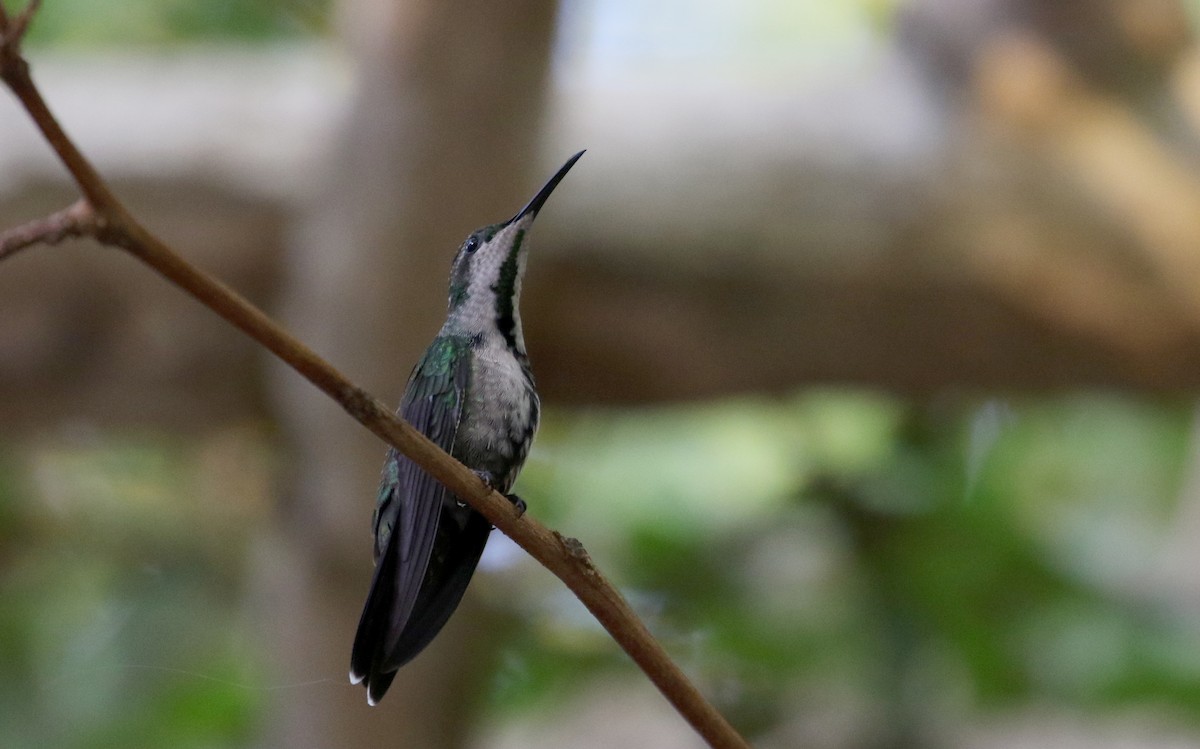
[[133, 23], [975, 553], [120, 621], [912, 560]]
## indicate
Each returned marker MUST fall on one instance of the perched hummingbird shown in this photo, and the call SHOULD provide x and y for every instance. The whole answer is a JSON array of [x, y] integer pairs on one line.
[[472, 393]]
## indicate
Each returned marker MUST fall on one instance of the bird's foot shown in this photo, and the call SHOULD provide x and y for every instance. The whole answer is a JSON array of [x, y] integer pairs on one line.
[[517, 503], [487, 478], [490, 481]]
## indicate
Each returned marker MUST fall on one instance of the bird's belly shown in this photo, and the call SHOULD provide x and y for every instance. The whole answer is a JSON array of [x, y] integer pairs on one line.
[[499, 420]]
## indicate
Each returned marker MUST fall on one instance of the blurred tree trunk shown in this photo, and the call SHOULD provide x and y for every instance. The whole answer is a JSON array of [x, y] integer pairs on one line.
[[440, 139]]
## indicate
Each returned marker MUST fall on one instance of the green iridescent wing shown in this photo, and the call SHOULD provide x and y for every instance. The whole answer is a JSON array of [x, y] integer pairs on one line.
[[409, 507]]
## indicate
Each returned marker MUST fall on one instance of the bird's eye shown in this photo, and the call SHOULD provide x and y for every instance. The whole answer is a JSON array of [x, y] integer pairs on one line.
[[472, 244]]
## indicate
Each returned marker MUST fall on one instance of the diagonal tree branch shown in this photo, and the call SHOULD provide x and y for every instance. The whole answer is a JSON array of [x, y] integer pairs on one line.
[[101, 215], [14, 70]]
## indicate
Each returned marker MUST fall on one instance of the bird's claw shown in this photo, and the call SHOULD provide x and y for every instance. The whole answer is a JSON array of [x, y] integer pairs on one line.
[[517, 503], [490, 482], [487, 478]]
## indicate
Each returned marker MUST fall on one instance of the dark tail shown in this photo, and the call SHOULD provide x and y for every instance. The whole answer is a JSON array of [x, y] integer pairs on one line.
[[367, 657], [445, 583], [379, 650]]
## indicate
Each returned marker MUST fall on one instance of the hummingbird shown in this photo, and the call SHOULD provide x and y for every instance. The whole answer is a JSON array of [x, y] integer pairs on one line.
[[472, 393]]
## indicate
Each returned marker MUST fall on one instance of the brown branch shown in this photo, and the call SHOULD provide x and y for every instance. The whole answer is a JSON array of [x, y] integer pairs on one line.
[[14, 71], [21, 25], [75, 221], [101, 215], [16, 29]]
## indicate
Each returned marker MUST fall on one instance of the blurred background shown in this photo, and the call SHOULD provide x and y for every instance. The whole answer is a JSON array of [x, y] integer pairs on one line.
[[867, 332]]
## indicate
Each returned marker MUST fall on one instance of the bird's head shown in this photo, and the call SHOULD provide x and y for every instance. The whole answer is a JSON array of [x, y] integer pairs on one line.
[[485, 280]]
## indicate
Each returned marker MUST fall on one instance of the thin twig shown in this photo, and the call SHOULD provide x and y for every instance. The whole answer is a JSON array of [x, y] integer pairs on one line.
[[104, 217], [21, 25], [14, 70], [13, 29], [75, 221]]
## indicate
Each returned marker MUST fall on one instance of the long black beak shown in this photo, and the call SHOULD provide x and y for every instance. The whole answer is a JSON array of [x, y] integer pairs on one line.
[[543, 195]]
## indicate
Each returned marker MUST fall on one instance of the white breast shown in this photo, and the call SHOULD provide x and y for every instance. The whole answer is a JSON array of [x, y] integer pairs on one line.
[[500, 408]]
